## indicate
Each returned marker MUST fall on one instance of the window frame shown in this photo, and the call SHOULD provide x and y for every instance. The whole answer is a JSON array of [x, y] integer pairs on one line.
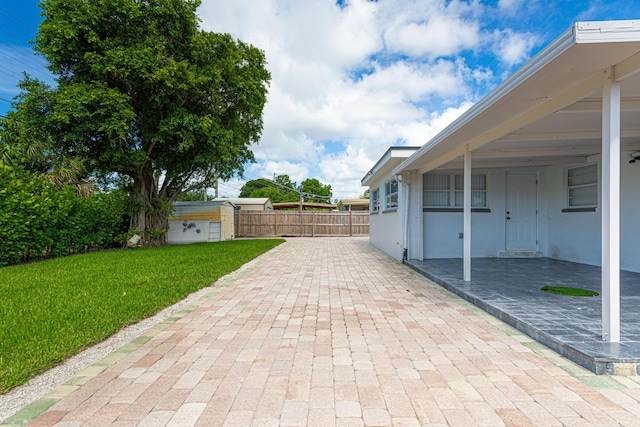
[[389, 195], [452, 190], [374, 206], [592, 207]]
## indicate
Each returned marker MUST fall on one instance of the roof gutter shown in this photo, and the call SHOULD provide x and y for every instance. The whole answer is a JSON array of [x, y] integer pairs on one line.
[[607, 31]]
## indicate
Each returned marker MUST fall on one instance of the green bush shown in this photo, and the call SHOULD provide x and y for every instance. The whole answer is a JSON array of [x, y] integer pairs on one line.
[[38, 220]]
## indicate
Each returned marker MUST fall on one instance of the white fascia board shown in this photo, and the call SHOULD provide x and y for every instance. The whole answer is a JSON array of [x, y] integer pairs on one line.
[[535, 64], [386, 160], [607, 31]]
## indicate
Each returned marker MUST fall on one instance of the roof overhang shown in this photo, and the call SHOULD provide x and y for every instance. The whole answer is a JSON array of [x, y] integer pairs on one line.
[[549, 110], [389, 160]]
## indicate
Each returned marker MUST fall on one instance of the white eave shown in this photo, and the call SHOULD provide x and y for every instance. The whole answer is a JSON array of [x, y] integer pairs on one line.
[[389, 160], [519, 121]]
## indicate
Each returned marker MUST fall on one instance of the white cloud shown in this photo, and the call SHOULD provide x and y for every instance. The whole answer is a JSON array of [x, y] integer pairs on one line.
[[439, 36], [298, 172], [514, 48], [509, 7], [348, 82], [229, 188]]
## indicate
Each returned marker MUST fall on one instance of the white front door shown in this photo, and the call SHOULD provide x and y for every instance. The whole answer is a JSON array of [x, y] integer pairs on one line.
[[521, 213]]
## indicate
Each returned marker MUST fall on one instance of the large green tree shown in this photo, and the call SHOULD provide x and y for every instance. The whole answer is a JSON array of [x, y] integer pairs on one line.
[[25, 144], [145, 95], [315, 191], [281, 189]]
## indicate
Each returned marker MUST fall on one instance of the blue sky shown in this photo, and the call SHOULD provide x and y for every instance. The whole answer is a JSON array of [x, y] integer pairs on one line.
[[350, 78]]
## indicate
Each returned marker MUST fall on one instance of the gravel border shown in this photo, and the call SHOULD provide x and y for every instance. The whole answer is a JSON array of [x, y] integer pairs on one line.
[[37, 387]]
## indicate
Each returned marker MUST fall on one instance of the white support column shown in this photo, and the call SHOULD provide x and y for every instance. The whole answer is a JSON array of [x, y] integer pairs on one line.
[[416, 217], [611, 208], [467, 216]]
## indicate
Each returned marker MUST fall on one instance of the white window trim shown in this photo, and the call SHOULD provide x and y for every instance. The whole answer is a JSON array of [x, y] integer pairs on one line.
[[389, 195], [567, 189], [452, 192], [375, 200]]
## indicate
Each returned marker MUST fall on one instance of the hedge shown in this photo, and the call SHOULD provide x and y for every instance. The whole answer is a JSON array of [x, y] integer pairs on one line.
[[39, 220]]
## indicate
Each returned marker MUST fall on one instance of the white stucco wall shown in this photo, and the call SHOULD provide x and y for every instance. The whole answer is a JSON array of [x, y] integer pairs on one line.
[[385, 227], [442, 229], [385, 233], [575, 236], [630, 215], [570, 236]]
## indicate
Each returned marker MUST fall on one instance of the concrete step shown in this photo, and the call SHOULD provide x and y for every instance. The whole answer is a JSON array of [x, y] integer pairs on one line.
[[519, 254]]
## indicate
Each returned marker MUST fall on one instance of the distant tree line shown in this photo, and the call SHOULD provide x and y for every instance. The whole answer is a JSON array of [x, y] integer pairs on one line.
[[282, 189]]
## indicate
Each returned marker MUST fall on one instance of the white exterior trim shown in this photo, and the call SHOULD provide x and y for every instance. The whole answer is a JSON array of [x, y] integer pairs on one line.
[[611, 209], [467, 217]]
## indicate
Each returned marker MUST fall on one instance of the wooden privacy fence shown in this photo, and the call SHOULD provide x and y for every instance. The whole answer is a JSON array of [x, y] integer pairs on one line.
[[296, 223]]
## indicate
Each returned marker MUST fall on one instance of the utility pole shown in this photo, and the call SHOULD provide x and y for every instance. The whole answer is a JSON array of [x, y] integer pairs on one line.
[[300, 188]]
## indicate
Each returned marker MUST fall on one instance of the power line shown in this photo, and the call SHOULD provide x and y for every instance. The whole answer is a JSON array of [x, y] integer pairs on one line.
[[224, 184], [33, 68], [15, 19], [11, 73]]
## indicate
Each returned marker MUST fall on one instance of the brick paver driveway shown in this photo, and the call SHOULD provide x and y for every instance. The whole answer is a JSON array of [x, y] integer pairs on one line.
[[329, 331]]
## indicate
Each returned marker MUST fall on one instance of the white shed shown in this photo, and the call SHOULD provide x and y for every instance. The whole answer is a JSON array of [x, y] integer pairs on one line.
[[192, 222]]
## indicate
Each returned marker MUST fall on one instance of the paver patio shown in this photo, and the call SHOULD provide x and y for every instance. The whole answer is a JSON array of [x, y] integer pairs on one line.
[[331, 332]]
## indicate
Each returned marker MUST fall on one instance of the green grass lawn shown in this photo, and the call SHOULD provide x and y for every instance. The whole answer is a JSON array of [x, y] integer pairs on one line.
[[52, 309]]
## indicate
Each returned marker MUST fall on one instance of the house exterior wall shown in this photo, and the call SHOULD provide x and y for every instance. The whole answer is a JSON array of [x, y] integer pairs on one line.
[[385, 226], [630, 215], [575, 236], [442, 230], [569, 236]]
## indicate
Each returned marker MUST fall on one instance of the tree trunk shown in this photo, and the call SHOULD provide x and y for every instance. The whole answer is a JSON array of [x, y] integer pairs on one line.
[[150, 213]]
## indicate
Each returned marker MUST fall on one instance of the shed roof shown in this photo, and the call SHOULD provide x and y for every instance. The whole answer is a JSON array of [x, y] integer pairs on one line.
[[241, 202], [355, 204], [549, 110]]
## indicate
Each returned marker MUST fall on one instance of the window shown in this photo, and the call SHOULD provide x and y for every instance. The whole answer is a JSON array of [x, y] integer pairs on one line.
[[375, 200], [442, 190], [391, 194], [582, 186]]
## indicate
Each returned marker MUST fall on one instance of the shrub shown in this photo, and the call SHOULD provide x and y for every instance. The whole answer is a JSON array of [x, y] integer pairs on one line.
[[38, 220]]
